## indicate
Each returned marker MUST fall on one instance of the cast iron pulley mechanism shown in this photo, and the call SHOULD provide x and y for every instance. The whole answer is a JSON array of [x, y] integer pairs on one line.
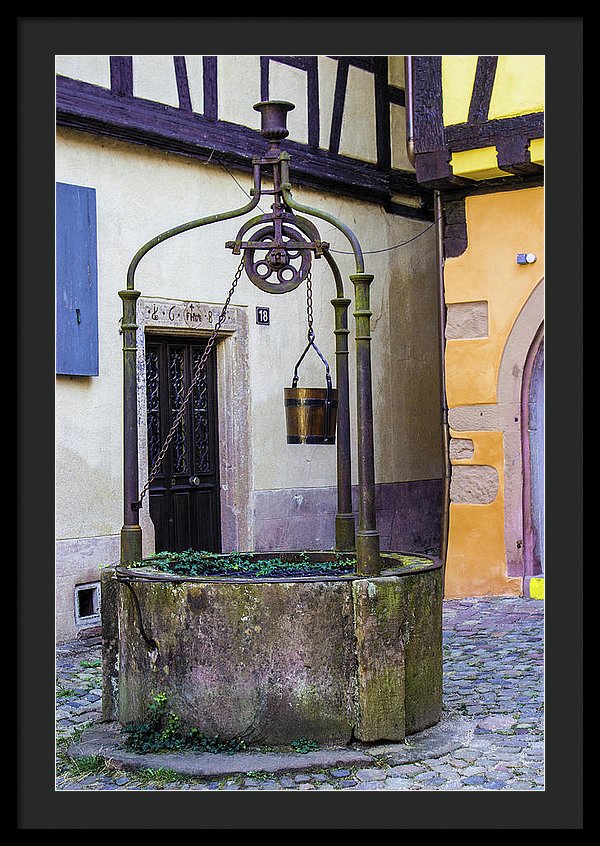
[[285, 262], [278, 256]]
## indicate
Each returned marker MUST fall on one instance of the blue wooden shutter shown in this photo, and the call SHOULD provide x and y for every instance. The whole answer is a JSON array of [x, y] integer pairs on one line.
[[76, 281]]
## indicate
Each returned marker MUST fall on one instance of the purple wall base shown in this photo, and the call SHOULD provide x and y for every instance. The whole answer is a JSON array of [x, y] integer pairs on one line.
[[408, 517]]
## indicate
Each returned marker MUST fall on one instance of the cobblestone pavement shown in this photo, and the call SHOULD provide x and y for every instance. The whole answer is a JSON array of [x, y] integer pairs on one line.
[[493, 675]]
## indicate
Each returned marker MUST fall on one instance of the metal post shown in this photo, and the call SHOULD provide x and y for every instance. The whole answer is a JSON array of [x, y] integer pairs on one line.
[[345, 540], [367, 539], [131, 533]]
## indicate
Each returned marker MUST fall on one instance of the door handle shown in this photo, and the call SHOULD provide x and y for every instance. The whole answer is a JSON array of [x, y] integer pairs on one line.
[[194, 480]]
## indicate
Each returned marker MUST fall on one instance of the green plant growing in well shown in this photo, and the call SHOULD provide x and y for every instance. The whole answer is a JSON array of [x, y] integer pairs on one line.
[[201, 563], [161, 730]]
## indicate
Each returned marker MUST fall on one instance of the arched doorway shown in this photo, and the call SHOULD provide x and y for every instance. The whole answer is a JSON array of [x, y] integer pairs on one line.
[[532, 416], [514, 381]]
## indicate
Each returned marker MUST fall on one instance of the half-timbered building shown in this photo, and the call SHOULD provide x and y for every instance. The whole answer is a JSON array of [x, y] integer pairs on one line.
[[145, 143], [476, 135], [395, 147]]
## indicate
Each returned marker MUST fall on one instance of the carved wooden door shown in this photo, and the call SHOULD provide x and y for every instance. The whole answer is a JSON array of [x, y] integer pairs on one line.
[[184, 497]]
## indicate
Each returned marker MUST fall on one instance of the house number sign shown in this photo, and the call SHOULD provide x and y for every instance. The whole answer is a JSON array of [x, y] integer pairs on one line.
[[262, 316]]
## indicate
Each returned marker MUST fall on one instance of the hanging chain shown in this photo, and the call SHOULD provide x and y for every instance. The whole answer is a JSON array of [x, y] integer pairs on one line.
[[309, 307], [200, 374]]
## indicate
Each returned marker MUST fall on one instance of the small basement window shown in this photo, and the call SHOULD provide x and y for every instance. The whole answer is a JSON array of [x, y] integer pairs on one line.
[[87, 603]]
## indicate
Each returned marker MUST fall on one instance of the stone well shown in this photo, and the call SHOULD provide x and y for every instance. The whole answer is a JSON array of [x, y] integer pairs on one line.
[[328, 658]]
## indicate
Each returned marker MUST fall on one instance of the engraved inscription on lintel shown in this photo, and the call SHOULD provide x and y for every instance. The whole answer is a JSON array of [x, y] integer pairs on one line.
[[189, 315]]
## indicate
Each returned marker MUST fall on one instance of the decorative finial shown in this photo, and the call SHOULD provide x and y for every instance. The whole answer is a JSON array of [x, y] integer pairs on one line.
[[274, 122]]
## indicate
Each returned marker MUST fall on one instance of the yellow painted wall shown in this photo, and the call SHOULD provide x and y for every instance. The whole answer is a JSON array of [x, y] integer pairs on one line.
[[477, 164], [458, 76], [499, 226], [518, 90], [518, 87], [476, 561]]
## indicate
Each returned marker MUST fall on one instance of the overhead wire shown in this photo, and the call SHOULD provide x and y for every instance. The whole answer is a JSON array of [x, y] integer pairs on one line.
[[338, 252]]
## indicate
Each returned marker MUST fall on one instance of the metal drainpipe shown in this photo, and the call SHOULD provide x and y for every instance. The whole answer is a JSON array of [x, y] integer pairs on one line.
[[410, 149], [408, 102], [443, 400]]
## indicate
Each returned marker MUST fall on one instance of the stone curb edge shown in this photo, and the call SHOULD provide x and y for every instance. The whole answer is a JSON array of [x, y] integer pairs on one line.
[[104, 740]]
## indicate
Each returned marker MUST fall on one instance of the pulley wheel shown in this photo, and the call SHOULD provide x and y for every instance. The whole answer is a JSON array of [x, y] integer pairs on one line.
[[280, 270]]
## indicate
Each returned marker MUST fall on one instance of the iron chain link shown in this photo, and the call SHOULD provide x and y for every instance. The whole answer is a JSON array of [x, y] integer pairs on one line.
[[309, 307]]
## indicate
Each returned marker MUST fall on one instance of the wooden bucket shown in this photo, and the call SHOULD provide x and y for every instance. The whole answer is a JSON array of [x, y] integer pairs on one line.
[[310, 415]]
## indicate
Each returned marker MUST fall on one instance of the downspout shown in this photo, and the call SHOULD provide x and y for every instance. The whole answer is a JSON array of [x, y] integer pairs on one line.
[[408, 103], [410, 149], [445, 521]]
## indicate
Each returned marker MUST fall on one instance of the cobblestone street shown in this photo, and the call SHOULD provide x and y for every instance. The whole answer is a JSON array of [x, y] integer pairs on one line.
[[493, 679]]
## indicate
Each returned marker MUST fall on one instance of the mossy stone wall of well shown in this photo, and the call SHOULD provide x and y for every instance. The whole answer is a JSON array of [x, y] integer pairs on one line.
[[273, 661]]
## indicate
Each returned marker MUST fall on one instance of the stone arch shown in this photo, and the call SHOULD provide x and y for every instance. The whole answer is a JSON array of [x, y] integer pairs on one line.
[[526, 333]]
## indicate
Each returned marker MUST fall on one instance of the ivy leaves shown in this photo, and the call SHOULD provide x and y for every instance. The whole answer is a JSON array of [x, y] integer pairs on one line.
[[200, 563], [162, 731]]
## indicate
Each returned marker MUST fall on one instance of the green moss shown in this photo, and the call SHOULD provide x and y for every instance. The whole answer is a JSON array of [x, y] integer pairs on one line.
[[239, 604], [379, 689], [423, 650], [399, 560], [245, 626]]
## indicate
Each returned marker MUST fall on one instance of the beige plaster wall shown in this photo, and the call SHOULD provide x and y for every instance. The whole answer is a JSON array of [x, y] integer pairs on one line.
[[141, 193]]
